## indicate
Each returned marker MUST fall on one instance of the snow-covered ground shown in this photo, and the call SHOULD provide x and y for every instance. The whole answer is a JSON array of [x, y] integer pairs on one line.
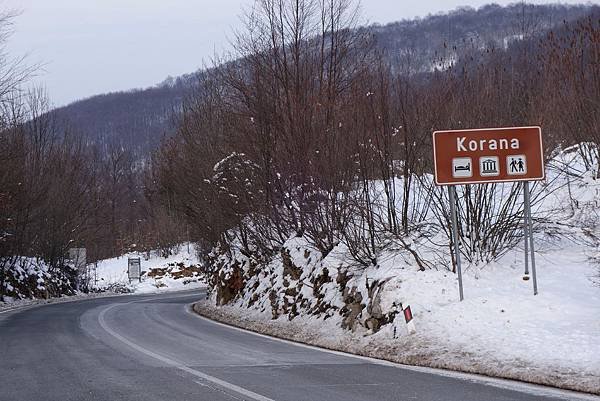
[[179, 271], [500, 329], [30, 278]]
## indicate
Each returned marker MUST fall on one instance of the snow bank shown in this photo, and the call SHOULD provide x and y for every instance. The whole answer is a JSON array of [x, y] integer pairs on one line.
[[501, 329], [32, 278], [176, 272]]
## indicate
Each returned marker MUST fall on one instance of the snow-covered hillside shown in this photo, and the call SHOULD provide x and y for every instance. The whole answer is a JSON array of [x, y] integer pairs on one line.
[[178, 271], [31, 278], [500, 329]]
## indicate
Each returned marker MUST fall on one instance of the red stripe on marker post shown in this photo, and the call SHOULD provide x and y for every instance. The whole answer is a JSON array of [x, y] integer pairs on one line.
[[407, 314]]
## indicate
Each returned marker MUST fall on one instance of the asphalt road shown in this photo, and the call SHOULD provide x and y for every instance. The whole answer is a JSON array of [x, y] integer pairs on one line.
[[154, 348]]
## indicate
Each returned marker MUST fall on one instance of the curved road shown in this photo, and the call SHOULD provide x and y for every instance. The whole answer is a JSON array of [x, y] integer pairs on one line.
[[154, 348]]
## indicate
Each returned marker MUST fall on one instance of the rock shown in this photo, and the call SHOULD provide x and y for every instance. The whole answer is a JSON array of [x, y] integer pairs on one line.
[[289, 269], [253, 299], [319, 281], [374, 307], [274, 304], [352, 309], [228, 289], [342, 279], [372, 324], [291, 292]]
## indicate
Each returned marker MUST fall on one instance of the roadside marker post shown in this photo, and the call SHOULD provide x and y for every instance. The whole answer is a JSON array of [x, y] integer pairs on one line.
[[489, 155], [408, 314], [78, 257], [408, 318], [395, 310]]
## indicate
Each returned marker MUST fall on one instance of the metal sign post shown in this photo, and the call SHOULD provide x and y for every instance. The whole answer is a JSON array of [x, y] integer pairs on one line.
[[526, 230], [479, 156], [454, 218], [529, 225]]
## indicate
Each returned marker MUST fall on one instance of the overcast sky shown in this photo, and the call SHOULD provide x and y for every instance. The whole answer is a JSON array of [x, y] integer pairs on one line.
[[96, 46]]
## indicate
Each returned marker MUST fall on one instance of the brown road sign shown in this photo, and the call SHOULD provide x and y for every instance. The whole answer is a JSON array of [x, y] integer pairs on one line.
[[478, 156]]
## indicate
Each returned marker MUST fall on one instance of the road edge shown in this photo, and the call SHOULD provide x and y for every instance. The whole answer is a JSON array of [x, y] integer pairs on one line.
[[34, 303], [543, 387]]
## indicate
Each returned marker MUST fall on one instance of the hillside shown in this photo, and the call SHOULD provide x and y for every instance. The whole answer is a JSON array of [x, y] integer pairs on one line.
[[138, 119], [501, 329], [135, 120]]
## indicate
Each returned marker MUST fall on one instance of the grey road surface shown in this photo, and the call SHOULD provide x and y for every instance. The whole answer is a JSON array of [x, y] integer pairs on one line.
[[154, 348]]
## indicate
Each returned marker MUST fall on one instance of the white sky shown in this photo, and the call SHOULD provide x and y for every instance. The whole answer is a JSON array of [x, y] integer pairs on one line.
[[96, 46]]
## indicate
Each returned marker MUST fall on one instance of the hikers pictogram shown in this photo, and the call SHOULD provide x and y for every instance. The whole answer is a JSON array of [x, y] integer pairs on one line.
[[516, 165]]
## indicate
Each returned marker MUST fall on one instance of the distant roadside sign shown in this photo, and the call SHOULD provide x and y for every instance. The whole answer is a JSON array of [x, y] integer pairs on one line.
[[479, 156], [78, 257], [134, 269]]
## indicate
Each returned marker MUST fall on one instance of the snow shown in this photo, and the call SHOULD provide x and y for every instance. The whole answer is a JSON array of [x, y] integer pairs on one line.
[[12, 304], [112, 273], [500, 329], [29, 277], [109, 277], [500, 317]]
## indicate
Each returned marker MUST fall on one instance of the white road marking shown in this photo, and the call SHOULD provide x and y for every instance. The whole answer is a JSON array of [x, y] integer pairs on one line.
[[223, 384], [522, 387], [13, 309], [496, 382], [217, 389]]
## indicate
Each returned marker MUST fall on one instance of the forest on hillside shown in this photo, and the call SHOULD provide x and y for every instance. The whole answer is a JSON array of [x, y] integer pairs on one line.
[[290, 142], [139, 119]]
